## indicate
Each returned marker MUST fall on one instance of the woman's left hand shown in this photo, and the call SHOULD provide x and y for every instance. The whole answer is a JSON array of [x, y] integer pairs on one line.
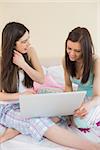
[[83, 110]]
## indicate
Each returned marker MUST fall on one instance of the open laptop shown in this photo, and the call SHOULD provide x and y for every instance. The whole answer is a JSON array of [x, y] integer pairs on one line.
[[50, 104]]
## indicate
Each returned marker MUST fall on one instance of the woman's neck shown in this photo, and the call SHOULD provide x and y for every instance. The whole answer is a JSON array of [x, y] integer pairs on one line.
[[79, 69]]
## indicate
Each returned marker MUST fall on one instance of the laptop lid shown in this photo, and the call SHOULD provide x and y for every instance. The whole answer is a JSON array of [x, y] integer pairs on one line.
[[50, 104]]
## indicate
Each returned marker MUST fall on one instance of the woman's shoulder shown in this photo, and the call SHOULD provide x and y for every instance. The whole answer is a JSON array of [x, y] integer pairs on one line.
[[31, 50], [96, 59], [96, 62]]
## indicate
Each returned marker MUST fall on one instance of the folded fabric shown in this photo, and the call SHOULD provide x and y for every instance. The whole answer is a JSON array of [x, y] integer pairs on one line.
[[44, 90], [49, 83]]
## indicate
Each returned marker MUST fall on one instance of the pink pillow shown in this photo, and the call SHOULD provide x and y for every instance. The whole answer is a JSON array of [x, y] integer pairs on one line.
[[49, 82]]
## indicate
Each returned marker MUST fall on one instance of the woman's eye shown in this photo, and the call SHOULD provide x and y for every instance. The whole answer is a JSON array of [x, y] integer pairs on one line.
[[78, 51], [24, 41], [69, 48]]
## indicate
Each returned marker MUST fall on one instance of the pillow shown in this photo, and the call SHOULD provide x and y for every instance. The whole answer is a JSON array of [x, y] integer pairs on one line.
[[48, 83], [57, 73], [54, 77]]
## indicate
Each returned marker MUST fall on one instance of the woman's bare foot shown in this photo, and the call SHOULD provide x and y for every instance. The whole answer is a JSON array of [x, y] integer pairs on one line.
[[8, 134]]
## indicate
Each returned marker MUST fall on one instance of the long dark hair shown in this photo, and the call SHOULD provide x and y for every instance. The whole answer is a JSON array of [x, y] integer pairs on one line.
[[11, 33], [82, 36]]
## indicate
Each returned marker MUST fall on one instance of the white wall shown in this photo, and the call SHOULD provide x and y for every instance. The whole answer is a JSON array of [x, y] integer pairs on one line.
[[50, 22]]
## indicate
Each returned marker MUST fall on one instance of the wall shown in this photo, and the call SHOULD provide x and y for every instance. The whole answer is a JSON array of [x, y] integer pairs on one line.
[[50, 21]]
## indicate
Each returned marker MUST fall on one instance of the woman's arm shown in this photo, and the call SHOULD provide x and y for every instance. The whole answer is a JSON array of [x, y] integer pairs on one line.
[[68, 83], [95, 100], [15, 96], [96, 83], [35, 74], [8, 96]]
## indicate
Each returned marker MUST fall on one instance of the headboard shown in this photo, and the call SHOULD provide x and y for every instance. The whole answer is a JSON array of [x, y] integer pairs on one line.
[[50, 61]]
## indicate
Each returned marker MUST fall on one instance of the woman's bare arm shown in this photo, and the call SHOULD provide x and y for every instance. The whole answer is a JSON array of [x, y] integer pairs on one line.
[[35, 72]]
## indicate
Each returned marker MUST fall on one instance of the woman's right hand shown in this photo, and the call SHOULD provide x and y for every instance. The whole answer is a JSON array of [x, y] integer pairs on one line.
[[18, 59], [84, 109]]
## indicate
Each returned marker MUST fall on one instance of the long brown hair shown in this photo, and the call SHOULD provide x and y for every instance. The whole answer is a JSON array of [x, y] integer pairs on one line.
[[11, 33], [82, 36]]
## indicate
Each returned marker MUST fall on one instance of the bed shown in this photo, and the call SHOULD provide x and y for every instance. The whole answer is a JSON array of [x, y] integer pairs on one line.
[[52, 69]]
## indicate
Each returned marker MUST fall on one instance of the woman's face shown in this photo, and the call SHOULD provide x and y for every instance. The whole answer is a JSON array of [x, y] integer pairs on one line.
[[22, 45], [74, 50]]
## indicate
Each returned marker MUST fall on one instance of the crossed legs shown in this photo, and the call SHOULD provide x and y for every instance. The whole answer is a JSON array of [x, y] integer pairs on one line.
[[8, 134]]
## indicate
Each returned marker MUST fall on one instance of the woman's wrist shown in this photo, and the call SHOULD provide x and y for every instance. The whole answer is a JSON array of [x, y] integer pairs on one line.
[[24, 66]]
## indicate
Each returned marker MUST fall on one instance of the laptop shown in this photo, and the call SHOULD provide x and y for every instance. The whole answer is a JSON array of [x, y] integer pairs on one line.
[[50, 104]]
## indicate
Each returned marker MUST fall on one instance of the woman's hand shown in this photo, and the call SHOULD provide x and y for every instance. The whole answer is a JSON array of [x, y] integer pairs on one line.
[[18, 59], [83, 110]]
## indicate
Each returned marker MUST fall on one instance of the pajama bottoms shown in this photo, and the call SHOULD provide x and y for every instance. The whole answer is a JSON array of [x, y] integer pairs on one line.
[[35, 127]]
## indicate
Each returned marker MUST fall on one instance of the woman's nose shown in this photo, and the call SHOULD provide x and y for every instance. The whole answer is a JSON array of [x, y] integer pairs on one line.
[[72, 53]]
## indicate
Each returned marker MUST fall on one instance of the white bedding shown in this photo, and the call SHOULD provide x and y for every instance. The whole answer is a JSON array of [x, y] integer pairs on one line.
[[22, 142]]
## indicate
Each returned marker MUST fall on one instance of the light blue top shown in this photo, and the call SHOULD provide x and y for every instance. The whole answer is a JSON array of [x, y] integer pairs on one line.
[[88, 86]]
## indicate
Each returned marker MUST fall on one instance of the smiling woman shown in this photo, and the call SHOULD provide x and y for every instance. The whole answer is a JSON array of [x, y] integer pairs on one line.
[[81, 66]]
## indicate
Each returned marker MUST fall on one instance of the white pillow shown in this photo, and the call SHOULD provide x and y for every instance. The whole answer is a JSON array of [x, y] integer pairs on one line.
[[57, 73]]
